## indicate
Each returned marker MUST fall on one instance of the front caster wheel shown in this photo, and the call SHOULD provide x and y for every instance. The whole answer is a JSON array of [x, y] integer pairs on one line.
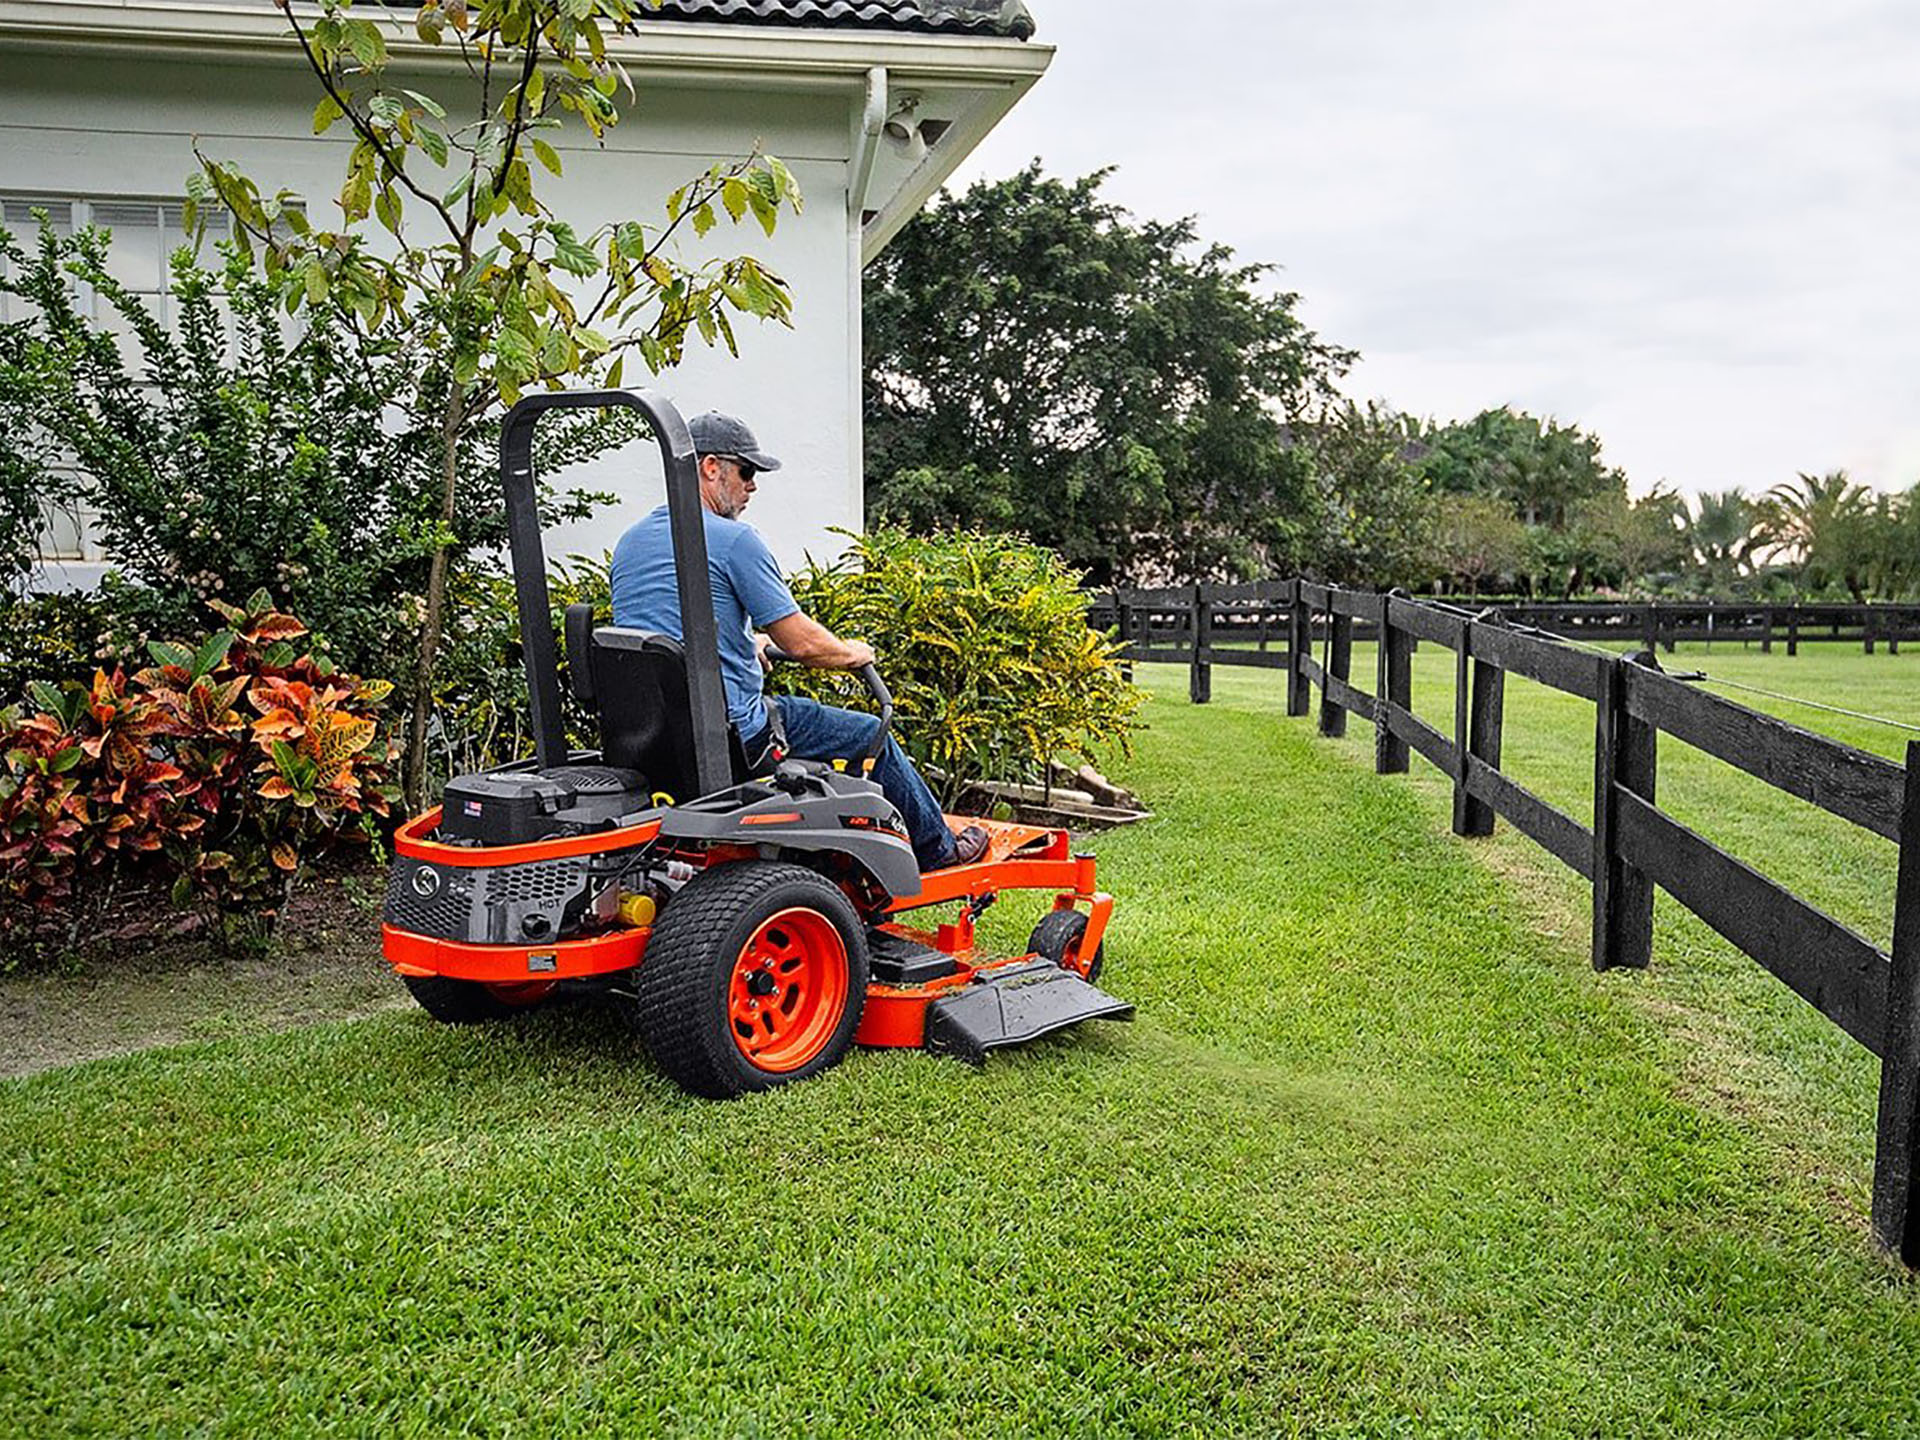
[[1058, 938], [755, 977]]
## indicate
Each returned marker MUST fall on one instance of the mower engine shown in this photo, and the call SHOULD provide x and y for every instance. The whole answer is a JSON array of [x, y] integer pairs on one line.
[[533, 901]]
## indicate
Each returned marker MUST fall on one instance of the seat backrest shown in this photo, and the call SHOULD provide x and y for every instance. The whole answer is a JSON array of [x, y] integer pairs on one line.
[[638, 682]]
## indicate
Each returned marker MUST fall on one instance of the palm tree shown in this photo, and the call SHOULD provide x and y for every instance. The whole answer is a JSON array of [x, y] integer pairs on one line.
[[1819, 524], [1725, 533]]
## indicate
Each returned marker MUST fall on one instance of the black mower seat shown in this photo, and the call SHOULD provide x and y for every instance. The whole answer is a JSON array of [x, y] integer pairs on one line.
[[637, 682]]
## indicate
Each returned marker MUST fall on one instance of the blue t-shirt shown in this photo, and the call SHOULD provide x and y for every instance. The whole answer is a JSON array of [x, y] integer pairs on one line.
[[748, 594]]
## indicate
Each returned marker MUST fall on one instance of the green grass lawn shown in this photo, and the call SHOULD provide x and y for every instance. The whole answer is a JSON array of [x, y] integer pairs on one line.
[[1380, 1155]]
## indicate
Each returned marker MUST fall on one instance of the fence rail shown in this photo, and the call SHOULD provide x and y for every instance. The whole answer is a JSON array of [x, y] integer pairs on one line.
[[1631, 845], [1658, 624]]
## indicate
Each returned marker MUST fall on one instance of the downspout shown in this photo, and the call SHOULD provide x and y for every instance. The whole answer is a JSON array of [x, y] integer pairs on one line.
[[866, 145], [871, 124]]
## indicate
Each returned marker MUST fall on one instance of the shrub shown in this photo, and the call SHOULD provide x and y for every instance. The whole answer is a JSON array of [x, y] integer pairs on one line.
[[308, 465], [221, 771], [481, 705], [983, 640], [52, 637]]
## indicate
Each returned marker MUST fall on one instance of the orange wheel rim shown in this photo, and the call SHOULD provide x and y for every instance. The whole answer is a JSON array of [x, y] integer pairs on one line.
[[788, 991]]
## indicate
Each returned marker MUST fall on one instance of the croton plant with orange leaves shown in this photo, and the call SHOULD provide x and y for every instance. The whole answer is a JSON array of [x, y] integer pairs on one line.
[[223, 769]]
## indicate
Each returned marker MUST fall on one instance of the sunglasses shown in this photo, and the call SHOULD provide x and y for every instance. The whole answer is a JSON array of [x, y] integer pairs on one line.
[[747, 472]]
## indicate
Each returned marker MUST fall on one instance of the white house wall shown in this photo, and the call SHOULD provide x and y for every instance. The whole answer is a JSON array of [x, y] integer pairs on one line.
[[102, 128]]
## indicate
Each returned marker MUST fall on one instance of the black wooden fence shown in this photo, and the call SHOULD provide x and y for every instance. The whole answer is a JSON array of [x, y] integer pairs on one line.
[[1632, 845], [1657, 624]]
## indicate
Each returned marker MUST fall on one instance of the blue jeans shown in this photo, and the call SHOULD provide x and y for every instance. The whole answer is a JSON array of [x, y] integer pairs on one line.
[[826, 732]]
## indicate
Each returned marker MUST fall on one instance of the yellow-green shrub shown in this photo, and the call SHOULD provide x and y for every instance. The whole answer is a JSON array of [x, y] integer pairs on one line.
[[983, 640]]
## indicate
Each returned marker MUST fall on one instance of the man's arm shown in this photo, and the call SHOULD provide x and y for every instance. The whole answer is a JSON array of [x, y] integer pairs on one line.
[[813, 645]]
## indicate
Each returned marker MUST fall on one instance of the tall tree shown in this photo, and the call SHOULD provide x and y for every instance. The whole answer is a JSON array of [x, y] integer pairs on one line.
[[1727, 533], [1372, 517], [1037, 358], [1825, 527], [1543, 469]]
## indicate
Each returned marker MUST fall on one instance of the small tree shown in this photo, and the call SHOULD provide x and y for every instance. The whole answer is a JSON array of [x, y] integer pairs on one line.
[[1477, 540], [1372, 519], [492, 290]]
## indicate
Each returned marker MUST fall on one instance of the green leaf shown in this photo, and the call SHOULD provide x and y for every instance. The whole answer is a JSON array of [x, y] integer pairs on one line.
[[764, 210], [212, 653], [704, 220], [434, 143], [325, 113], [547, 155], [733, 194], [364, 40], [167, 653], [615, 371], [783, 178], [427, 103], [65, 760], [386, 206], [316, 281]]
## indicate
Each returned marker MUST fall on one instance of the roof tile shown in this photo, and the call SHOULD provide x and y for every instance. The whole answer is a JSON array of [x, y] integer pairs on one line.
[[978, 17]]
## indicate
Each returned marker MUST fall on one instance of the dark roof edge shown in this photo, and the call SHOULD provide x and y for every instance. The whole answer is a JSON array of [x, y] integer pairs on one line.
[[1001, 19]]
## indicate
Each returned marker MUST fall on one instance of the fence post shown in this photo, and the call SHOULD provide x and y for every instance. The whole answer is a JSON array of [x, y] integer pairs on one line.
[[1395, 686], [1626, 755], [1793, 629], [1896, 1156], [1123, 628], [1299, 641], [1478, 710], [1200, 672], [1766, 633], [1866, 627], [1339, 662]]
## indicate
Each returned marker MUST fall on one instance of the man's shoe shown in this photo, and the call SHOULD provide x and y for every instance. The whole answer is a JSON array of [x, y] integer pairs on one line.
[[969, 846]]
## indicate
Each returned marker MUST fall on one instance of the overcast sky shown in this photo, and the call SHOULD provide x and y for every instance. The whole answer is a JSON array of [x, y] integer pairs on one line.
[[1690, 227]]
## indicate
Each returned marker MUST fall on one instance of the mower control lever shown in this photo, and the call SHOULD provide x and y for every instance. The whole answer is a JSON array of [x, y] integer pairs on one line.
[[876, 687]]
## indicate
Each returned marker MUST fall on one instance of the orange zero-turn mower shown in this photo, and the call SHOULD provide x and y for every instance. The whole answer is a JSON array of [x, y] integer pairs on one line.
[[752, 933]]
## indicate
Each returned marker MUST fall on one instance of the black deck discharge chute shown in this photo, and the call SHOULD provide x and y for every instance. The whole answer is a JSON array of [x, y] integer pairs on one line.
[[1015, 1005]]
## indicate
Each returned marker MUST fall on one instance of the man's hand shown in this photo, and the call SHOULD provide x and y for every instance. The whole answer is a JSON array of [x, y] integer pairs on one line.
[[812, 644], [761, 644]]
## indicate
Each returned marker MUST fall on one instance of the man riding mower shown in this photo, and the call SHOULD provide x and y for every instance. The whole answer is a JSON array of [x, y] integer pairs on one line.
[[738, 901]]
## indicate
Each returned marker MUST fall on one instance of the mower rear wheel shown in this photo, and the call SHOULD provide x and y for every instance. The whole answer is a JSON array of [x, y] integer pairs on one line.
[[1058, 937], [469, 1002], [755, 976]]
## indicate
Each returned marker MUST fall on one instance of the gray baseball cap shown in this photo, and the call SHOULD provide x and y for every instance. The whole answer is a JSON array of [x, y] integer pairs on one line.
[[717, 434]]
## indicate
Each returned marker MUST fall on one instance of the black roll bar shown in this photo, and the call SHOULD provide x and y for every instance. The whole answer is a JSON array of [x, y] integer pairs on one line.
[[706, 700]]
